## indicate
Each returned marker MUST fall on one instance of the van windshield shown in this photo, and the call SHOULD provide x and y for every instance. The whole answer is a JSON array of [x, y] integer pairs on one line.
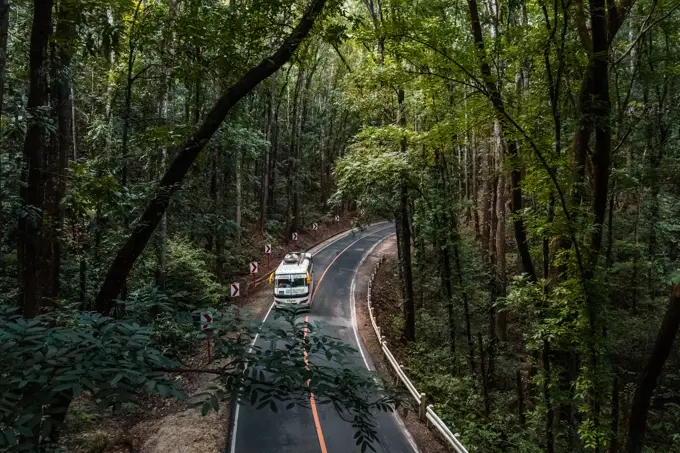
[[291, 281]]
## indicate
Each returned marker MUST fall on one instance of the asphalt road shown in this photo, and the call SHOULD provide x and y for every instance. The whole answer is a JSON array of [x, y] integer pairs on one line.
[[299, 430]]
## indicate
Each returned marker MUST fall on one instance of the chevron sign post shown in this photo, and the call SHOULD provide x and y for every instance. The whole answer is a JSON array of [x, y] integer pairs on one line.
[[268, 252], [206, 320], [206, 326], [235, 289], [254, 269]]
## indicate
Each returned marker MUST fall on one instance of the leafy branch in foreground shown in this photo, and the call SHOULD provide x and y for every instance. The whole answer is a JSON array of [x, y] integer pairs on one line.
[[115, 362]]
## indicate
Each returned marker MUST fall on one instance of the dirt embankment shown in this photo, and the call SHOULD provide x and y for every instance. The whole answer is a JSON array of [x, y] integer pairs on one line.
[[162, 425], [386, 293]]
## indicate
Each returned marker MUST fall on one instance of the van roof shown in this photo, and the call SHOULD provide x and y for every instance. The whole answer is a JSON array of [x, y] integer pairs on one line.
[[291, 269], [296, 267]]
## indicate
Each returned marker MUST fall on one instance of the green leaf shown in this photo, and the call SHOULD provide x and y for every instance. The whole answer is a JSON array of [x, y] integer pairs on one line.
[[116, 379], [214, 402], [9, 436]]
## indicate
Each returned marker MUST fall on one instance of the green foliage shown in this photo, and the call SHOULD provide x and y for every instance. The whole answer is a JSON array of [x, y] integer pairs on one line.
[[116, 361], [46, 367], [189, 276]]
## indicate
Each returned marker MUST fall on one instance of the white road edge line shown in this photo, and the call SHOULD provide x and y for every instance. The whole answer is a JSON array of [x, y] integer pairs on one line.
[[323, 246], [352, 299]]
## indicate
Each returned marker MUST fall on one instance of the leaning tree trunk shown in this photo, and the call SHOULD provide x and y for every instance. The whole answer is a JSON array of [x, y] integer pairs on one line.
[[31, 242], [649, 376], [134, 246]]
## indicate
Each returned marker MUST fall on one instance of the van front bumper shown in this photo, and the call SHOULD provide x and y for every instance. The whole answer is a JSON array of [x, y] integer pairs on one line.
[[302, 303]]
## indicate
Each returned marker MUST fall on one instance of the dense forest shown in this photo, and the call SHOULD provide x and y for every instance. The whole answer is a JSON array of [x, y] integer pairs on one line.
[[526, 152]]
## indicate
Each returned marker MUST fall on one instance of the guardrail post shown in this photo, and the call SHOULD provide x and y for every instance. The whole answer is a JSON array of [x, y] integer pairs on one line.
[[422, 410]]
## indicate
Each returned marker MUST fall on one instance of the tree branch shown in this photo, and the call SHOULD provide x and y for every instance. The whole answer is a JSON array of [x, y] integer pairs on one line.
[[580, 19], [645, 29]]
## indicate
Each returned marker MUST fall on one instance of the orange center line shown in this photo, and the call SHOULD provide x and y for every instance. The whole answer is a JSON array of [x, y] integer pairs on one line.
[[315, 413]]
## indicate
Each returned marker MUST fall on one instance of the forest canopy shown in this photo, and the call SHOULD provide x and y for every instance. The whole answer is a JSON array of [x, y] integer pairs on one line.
[[526, 151]]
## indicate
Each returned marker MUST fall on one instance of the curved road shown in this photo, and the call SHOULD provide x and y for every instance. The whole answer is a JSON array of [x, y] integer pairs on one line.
[[302, 429]]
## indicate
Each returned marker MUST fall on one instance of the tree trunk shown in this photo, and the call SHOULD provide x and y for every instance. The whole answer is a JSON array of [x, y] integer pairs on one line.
[[31, 241], [483, 376], [134, 246], [501, 262], [128, 103], [62, 144], [239, 192], [466, 307], [550, 414], [264, 177], [166, 87], [649, 376], [409, 299], [273, 163], [291, 187], [110, 85], [4, 31], [520, 399], [445, 257]]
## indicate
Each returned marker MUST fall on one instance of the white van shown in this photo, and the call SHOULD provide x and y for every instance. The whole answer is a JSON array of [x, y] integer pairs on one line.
[[292, 281]]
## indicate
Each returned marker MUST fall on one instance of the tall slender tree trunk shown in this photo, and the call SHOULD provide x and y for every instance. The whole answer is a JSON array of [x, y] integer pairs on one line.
[[291, 220], [445, 252], [273, 163], [239, 192], [409, 299], [166, 88], [128, 102], [501, 262], [62, 144], [264, 177], [4, 32], [31, 237]]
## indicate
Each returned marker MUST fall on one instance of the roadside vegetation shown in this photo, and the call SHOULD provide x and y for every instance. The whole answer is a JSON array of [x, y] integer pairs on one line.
[[528, 152]]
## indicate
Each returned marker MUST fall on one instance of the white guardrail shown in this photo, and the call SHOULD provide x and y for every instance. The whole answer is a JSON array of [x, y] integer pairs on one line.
[[425, 412]]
